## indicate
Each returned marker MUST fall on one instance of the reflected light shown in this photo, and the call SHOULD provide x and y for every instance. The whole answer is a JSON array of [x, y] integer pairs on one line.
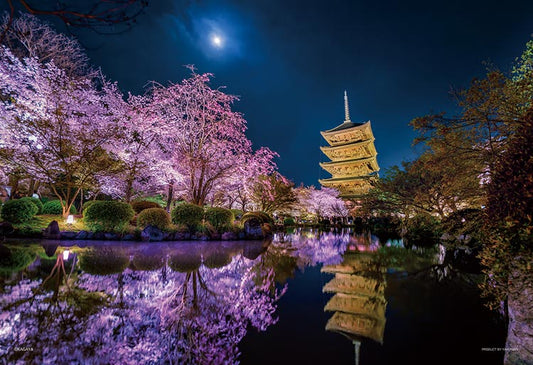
[[70, 219], [65, 254]]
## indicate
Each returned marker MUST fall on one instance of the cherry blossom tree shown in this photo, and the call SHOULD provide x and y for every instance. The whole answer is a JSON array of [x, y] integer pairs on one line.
[[55, 127], [205, 140], [321, 203], [273, 193], [30, 37]]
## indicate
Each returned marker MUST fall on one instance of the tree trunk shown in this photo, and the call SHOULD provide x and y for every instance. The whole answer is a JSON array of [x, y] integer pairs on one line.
[[31, 187], [170, 195]]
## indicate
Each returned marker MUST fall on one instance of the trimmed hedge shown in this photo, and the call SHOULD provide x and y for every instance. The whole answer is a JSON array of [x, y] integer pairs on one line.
[[188, 214], [18, 211], [157, 217], [35, 201], [220, 218], [108, 215], [54, 207], [139, 206]]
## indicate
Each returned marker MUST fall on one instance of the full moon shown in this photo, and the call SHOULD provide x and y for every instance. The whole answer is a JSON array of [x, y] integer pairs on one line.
[[216, 40]]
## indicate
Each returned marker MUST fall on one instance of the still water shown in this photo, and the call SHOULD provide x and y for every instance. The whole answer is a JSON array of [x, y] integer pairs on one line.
[[305, 297]]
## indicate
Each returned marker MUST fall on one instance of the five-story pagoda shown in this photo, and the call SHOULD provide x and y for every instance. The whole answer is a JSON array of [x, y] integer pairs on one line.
[[351, 150]]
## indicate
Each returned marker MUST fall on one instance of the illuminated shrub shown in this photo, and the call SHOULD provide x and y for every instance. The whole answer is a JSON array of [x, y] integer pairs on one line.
[[289, 221], [35, 201], [139, 206], [188, 214], [18, 211], [87, 204], [54, 207], [157, 217], [108, 215], [260, 216], [220, 218]]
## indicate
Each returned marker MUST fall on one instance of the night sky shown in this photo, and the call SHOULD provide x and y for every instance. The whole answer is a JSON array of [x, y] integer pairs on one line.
[[290, 62]]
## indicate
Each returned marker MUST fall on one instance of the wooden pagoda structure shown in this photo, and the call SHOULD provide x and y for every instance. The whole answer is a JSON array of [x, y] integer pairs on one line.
[[351, 150]]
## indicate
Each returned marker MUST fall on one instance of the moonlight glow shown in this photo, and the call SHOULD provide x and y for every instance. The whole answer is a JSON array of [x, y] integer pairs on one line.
[[216, 40]]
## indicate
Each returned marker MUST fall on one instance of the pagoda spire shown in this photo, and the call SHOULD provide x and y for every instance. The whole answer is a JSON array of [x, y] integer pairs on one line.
[[346, 109]]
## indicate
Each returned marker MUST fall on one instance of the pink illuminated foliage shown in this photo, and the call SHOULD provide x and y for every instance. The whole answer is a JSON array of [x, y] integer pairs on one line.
[[54, 127], [205, 141], [139, 316]]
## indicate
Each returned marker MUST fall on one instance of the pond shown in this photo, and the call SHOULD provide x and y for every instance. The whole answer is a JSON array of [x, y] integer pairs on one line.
[[305, 297]]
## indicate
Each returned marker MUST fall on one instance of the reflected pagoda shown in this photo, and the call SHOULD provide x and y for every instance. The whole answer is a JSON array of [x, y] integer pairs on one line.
[[358, 302], [351, 150]]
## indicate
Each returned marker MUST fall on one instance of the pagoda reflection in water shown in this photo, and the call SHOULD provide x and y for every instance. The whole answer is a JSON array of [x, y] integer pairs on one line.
[[359, 301]]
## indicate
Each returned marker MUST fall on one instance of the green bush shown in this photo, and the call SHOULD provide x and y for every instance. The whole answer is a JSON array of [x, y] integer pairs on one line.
[[289, 221], [139, 206], [108, 215], [87, 204], [261, 216], [18, 211], [188, 214], [35, 201], [220, 218], [237, 213], [54, 207], [155, 217]]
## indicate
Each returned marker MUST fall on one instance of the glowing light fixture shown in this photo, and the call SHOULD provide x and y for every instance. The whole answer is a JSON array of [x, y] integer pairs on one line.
[[70, 219], [65, 255]]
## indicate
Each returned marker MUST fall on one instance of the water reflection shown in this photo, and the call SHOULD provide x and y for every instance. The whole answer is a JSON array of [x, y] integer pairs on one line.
[[187, 303], [191, 303]]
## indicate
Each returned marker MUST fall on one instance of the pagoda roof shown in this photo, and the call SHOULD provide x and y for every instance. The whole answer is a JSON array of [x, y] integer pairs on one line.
[[346, 179], [346, 126], [348, 145], [357, 161]]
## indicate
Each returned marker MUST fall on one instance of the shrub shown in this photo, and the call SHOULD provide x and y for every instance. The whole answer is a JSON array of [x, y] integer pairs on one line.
[[261, 216], [18, 211], [237, 213], [189, 214], [139, 206], [157, 217], [35, 201], [87, 204], [108, 215], [289, 221], [220, 218], [54, 207]]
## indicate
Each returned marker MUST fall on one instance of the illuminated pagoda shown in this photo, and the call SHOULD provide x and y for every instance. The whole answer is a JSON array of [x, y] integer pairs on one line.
[[351, 150]]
